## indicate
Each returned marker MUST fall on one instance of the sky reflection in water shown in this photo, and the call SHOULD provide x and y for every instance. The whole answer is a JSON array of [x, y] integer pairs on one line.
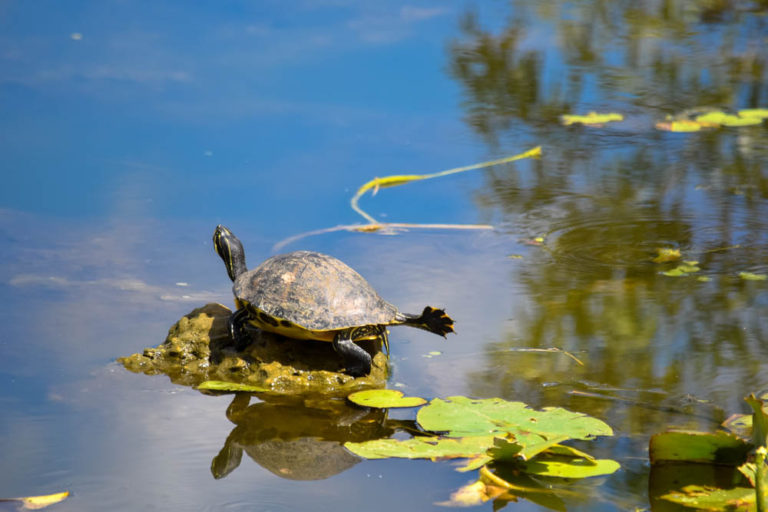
[[124, 147]]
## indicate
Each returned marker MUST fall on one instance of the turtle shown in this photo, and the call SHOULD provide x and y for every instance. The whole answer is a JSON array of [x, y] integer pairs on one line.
[[308, 295]]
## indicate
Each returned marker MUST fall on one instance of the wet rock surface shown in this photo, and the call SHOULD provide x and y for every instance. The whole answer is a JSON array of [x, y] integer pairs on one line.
[[199, 348]]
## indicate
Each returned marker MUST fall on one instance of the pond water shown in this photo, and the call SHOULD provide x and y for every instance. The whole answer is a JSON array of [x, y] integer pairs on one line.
[[130, 130]]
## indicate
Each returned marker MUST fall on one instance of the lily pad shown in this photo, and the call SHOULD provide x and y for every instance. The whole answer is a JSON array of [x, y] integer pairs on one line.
[[761, 113], [719, 447], [665, 254], [422, 447], [711, 498], [749, 276], [461, 416], [568, 467], [687, 267], [220, 385], [39, 502], [523, 446], [717, 118], [681, 126], [384, 399], [593, 118]]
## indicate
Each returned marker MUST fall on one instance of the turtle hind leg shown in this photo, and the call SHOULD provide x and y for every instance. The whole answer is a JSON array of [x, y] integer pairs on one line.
[[431, 319], [358, 361]]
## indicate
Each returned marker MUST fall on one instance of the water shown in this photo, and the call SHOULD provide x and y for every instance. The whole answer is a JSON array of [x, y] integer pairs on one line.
[[129, 131]]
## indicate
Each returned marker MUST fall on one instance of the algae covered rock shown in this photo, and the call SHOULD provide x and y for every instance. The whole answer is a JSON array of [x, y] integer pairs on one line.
[[199, 348]]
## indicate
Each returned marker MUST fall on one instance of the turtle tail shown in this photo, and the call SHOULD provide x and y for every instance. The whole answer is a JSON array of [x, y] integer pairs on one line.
[[432, 320]]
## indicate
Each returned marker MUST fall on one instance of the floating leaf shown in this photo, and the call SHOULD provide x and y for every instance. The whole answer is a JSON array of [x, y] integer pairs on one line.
[[711, 498], [384, 399], [39, 502], [749, 276], [717, 118], [718, 447], [422, 447], [560, 449], [680, 126], [735, 121], [568, 467], [666, 254], [522, 446], [688, 267], [761, 113], [593, 118], [220, 385], [459, 415]]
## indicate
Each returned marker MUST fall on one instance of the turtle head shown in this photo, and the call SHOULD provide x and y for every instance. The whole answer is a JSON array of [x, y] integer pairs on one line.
[[229, 247]]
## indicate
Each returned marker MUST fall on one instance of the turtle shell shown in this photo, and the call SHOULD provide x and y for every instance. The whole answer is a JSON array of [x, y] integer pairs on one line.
[[314, 291]]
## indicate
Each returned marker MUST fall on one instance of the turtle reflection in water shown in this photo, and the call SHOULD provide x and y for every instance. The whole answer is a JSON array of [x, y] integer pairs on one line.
[[311, 296], [294, 441]]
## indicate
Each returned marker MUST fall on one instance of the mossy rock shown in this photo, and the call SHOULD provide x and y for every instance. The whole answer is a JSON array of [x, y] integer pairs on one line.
[[198, 348]]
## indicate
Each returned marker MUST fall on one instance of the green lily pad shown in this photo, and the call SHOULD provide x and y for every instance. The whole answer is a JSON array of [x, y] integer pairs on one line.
[[591, 118], [735, 121], [384, 399], [496, 430], [461, 416], [717, 118], [749, 276], [522, 446], [714, 117], [679, 126], [687, 267], [665, 254], [711, 498], [719, 447], [761, 113], [422, 447], [220, 385], [567, 467]]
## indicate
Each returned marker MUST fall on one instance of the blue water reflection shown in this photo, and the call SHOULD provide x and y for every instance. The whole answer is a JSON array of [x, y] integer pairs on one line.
[[130, 130]]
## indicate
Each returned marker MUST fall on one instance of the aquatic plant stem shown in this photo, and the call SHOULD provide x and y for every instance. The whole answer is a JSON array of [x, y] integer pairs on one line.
[[759, 479], [394, 180]]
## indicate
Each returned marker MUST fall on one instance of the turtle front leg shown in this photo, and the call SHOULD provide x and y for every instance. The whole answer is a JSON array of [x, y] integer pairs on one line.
[[358, 361], [237, 323]]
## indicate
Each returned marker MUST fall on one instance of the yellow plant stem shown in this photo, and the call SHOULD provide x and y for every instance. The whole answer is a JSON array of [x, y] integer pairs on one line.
[[759, 478], [401, 179]]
